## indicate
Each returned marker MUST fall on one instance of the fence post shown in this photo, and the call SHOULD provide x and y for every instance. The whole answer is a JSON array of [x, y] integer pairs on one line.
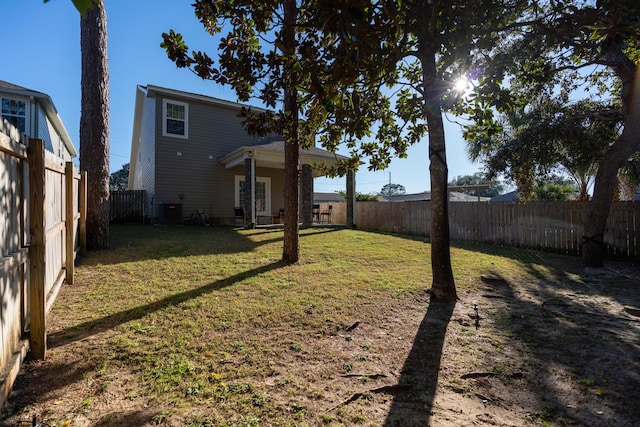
[[351, 200], [82, 226], [70, 220], [37, 250]]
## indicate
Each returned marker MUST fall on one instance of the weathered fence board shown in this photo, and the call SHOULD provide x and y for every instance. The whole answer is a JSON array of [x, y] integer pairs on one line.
[[549, 226], [39, 228], [37, 249]]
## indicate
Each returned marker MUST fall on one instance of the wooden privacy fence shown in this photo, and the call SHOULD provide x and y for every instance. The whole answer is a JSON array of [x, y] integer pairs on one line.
[[43, 201], [549, 226], [127, 206]]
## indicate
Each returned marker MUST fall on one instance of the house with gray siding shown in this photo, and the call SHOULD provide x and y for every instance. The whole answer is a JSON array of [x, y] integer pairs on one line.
[[191, 153], [27, 113]]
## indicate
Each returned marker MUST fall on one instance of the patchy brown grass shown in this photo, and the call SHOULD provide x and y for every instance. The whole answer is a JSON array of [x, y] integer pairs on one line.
[[205, 327]]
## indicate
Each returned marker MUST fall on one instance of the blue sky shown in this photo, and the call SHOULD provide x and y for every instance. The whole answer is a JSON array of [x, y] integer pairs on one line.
[[42, 52]]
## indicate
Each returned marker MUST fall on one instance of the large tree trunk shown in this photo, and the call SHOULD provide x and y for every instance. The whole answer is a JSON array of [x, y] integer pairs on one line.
[[94, 123], [606, 178], [291, 246], [443, 287], [605, 184]]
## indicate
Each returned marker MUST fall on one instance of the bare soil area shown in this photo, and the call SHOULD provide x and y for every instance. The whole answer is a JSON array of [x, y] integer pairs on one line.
[[506, 354]]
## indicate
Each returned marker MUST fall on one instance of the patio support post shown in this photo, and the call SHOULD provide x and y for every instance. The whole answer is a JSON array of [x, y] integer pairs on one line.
[[306, 195], [248, 191], [351, 199]]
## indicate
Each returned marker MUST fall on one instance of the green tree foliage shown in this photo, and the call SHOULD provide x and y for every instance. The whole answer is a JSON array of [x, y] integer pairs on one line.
[[119, 180], [551, 134], [344, 55], [259, 57], [578, 45], [393, 190], [496, 189], [421, 52], [554, 188], [81, 5], [293, 57]]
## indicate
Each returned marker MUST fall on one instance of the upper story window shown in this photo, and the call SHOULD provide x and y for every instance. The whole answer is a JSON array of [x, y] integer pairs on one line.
[[15, 112], [175, 119]]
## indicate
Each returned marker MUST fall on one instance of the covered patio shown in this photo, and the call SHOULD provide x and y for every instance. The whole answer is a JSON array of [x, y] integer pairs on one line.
[[271, 155]]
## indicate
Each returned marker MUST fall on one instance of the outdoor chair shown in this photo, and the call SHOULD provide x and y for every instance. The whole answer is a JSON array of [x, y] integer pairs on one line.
[[326, 214], [316, 213], [281, 216], [240, 218], [203, 218]]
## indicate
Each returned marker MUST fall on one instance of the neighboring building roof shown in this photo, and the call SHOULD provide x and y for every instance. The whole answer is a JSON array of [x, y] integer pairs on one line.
[[8, 85], [425, 195], [47, 106], [327, 198], [508, 197], [454, 196]]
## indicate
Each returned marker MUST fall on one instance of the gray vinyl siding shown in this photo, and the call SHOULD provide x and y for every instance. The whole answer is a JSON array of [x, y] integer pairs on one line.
[[146, 161], [48, 133], [277, 186], [197, 174], [42, 128]]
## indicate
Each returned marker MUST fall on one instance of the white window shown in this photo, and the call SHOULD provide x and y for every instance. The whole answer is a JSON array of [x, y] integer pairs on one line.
[[15, 112], [263, 194], [175, 119]]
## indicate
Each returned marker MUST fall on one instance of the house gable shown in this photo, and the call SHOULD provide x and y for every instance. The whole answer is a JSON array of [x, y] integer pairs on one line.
[[34, 115]]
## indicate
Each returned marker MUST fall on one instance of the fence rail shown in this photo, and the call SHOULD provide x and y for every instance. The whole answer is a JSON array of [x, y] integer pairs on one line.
[[42, 229], [549, 226]]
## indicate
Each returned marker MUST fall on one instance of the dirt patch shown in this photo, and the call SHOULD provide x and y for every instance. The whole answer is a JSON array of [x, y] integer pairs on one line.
[[506, 354]]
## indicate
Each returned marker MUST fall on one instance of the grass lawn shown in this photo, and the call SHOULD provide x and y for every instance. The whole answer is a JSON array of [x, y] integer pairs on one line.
[[204, 326]]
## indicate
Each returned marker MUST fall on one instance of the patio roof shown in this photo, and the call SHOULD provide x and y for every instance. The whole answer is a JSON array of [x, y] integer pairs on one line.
[[271, 155]]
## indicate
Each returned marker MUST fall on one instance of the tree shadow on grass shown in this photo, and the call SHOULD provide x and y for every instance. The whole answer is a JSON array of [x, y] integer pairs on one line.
[[413, 396], [135, 242], [582, 351], [131, 418], [96, 326], [36, 384]]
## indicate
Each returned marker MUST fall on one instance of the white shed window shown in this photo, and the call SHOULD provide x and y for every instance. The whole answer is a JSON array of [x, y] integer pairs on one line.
[[15, 112], [175, 120], [263, 194]]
